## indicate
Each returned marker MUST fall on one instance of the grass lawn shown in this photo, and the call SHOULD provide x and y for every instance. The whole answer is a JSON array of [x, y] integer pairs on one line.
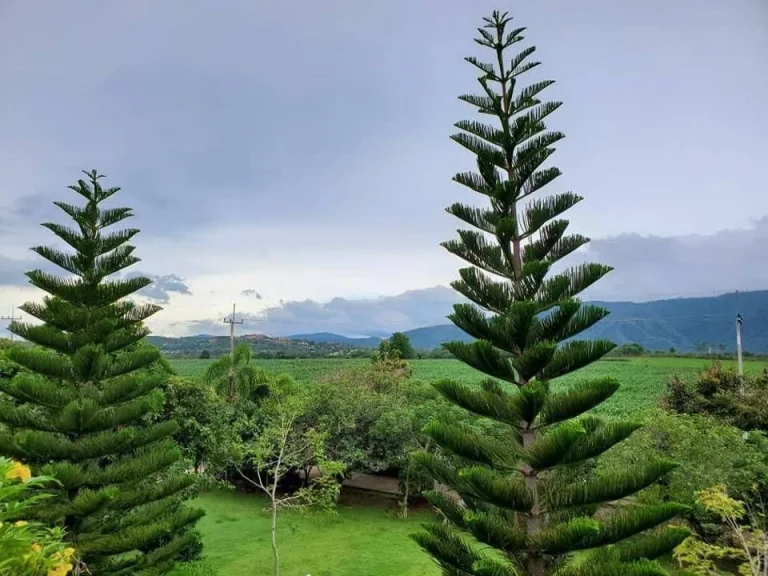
[[358, 541]]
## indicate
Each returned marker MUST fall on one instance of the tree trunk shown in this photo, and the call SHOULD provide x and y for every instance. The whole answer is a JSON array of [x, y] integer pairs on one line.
[[536, 564], [405, 496], [275, 553]]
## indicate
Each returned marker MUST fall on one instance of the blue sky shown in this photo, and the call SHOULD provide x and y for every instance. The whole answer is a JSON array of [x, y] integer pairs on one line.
[[301, 150]]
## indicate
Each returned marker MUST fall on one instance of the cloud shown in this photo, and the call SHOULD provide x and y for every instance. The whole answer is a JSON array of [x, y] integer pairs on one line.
[[655, 267], [362, 317], [645, 268], [252, 292], [162, 286]]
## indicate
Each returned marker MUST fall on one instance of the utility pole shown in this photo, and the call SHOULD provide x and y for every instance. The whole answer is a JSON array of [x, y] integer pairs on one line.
[[231, 321], [11, 318], [738, 344]]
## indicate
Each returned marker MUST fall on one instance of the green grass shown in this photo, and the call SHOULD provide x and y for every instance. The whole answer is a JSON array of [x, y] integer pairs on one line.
[[357, 541], [643, 380]]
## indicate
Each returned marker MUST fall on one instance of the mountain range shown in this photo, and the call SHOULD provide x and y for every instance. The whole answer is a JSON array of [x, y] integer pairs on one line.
[[685, 324]]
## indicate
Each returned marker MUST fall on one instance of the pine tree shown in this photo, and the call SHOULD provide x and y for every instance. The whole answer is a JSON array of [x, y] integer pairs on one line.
[[531, 493], [79, 411]]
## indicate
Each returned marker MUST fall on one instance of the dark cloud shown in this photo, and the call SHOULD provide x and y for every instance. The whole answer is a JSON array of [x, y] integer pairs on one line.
[[162, 286], [202, 123], [251, 292], [654, 267]]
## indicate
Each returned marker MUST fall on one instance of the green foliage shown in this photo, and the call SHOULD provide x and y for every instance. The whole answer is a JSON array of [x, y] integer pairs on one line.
[[205, 355], [628, 351], [709, 452], [234, 376], [738, 400], [28, 548], [78, 412], [515, 493], [204, 420], [373, 417], [746, 524], [398, 344], [281, 445]]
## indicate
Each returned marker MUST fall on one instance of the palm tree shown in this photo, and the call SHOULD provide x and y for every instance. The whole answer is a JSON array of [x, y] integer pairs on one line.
[[233, 376]]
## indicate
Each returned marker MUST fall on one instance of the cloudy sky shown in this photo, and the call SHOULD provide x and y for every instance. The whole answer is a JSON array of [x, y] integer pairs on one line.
[[294, 157]]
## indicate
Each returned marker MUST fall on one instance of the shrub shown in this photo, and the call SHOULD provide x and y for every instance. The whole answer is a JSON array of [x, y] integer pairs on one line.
[[739, 400], [28, 548]]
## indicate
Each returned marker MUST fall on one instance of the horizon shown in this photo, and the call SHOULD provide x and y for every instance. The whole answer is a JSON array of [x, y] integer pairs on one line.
[[384, 334], [300, 205]]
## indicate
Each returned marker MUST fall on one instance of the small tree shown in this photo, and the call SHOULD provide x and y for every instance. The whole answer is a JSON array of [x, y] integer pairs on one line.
[[79, 407], [205, 355], [747, 526], [400, 342], [235, 376], [523, 495], [280, 447]]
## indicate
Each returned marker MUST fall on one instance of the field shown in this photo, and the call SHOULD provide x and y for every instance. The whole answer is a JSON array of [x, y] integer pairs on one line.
[[643, 380]]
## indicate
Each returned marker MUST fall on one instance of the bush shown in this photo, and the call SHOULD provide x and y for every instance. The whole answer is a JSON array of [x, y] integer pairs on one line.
[[709, 452], [718, 392], [28, 548], [628, 350], [203, 419]]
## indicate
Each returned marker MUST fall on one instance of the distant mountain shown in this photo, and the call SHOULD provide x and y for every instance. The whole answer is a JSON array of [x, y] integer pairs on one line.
[[329, 338], [686, 324]]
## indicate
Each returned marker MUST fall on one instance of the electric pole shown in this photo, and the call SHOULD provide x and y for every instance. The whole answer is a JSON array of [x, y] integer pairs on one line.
[[739, 358], [10, 319], [231, 321]]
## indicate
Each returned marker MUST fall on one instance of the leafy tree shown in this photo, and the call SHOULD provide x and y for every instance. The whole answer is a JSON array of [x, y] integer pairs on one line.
[[205, 355], [235, 376], [204, 420], [79, 408], [520, 495], [281, 446], [400, 342], [747, 525]]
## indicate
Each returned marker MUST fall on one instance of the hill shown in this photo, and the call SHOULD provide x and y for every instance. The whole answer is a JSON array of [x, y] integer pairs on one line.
[[686, 324], [263, 346]]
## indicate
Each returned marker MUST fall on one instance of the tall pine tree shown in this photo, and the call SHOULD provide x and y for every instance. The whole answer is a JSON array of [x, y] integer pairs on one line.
[[529, 493], [79, 412]]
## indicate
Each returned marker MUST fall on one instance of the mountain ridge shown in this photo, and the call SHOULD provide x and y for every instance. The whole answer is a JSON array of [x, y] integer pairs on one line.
[[686, 324]]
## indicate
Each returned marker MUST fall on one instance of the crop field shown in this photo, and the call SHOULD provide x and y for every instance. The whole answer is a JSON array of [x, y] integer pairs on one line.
[[643, 379]]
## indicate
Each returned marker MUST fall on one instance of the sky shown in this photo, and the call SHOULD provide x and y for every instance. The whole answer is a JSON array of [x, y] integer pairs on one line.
[[295, 158]]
